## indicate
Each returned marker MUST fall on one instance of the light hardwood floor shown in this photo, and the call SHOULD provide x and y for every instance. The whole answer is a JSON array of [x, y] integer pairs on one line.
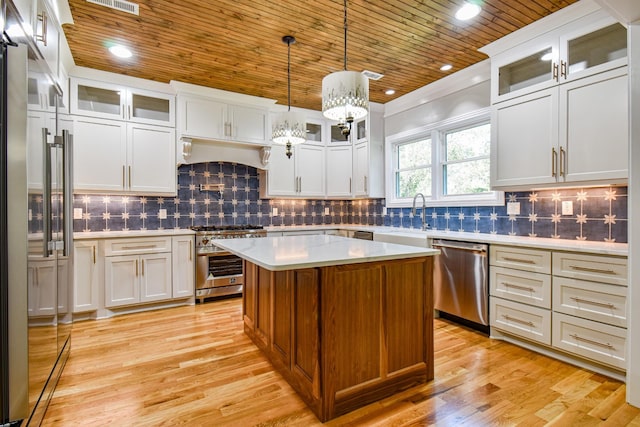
[[194, 366]]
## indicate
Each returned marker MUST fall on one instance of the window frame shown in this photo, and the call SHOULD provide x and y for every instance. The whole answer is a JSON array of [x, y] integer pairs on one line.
[[436, 132]]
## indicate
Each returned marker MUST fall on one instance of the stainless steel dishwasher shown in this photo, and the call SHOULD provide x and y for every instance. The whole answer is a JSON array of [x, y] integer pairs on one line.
[[460, 280]]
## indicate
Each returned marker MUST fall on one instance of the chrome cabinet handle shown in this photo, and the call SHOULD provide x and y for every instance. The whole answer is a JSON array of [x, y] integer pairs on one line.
[[130, 177], [563, 69], [563, 160], [596, 303], [123, 168], [124, 112], [554, 162], [515, 319], [42, 17], [190, 258], [350, 185], [592, 270], [555, 72], [300, 185], [587, 340], [365, 184], [142, 267], [129, 112], [524, 261], [136, 268], [513, 285]]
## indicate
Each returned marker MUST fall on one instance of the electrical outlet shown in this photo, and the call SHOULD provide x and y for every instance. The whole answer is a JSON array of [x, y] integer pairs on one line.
[[384, 211], [513, 208], [274, 212], [77, 213], [326, 211], [567, 207], [30, 215], [162, 214]]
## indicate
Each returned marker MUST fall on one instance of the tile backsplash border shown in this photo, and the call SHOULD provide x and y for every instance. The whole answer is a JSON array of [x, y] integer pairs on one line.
[[599, 213]]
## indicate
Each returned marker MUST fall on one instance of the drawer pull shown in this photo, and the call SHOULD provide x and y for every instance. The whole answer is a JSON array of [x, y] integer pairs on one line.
[[94, 254], [525, 261], [515, 319], [599, 304], [523, 288], [587, 340], [133, 248], [592, 270]]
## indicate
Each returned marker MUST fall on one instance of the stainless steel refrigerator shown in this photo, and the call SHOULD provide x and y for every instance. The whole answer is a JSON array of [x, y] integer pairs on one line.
[[36, 231]]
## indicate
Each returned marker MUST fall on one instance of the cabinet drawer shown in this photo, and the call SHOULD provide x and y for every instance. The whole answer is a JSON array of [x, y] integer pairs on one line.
[[522, 286], [603, 343], [137, 246], [594, 301], [538, 261], [528, 322], [598, 268]]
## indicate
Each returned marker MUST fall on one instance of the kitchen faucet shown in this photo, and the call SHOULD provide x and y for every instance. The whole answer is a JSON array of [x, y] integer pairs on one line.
[[424, 207]]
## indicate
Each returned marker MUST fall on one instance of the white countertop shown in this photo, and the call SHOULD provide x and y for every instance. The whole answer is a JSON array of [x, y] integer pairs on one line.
[[295, 252], [594, 247], [133, 233]]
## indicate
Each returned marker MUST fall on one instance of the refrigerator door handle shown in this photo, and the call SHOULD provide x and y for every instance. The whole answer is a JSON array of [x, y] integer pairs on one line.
[[67, 191], [47, 237]]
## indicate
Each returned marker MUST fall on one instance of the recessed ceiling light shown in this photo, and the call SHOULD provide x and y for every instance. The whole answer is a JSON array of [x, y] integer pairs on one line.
[[120, 51], [446, 67], [467, 11], [389, 92]]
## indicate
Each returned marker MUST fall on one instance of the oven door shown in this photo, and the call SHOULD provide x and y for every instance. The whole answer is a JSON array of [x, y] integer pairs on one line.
[[218, 270]]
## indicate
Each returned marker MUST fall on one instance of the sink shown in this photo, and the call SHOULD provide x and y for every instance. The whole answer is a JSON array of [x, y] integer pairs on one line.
[[417, 238]]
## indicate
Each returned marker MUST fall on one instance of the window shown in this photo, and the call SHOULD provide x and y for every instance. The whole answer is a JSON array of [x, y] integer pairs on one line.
[[448, 162], [465, 168], [413, 168]]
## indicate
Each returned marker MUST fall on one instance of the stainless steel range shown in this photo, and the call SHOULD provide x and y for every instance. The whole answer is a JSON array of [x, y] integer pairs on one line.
[[219, 272]]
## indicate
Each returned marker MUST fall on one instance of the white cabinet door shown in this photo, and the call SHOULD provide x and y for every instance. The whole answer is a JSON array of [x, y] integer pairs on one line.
[[151, 159], [201, 118], [281, 177], [247, 124], [121, 282], [594, 127], [155, 277], [99, 154], [86, 276], [361, 169], [339, 168], [47, 35], [310, 169], [97, 99], [41, 288], [524, 140], [149, 107], [183, 267]]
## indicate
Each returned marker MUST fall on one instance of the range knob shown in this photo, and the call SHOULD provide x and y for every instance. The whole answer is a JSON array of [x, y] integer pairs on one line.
[[205, 240]]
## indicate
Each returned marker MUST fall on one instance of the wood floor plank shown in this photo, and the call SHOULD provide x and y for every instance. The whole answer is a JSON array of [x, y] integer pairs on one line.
[[195, 366]]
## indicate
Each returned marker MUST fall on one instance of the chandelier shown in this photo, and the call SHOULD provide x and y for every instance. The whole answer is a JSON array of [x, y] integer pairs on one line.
[[345, 94], [290, 127]]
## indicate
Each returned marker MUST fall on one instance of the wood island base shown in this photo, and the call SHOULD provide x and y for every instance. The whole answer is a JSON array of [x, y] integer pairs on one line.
[[344, 336]]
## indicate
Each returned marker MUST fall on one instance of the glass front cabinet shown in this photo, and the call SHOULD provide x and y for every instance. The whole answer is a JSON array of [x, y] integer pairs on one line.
[[592, 44]]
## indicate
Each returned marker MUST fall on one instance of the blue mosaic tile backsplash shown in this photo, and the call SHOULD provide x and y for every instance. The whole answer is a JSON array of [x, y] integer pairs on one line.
[[600, 214]]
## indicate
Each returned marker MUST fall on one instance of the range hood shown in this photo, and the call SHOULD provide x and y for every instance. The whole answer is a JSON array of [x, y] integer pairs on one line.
[[191, 150]]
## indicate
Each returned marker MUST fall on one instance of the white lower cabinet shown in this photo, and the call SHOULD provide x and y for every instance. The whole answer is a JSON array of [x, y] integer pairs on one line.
[[183, 266], [132, 279], [86, 276], [574, 303], [129, 271]]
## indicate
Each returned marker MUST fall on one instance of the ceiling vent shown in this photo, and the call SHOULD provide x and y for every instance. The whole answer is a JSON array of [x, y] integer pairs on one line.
[[121, 5], [372, 75]]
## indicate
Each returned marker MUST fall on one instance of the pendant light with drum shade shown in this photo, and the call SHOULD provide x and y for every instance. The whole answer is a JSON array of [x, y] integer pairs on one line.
[[290, 127], [345, 94]]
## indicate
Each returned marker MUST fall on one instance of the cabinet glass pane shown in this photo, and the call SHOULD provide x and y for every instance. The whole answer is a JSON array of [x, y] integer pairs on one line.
[[599, 47], [146, 107], [98, 100], [314, 132], [336, 134], [362, 129], [533, 69]]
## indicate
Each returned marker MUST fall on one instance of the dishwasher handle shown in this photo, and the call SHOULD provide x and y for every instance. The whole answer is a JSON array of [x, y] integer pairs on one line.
[[463, 246]]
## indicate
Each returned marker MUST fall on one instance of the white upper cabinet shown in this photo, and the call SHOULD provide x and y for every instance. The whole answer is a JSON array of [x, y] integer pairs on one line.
[[209, 119], [302, 175], [112, 101], [339, 171], [46, 35], [586, 46], [563, 120]]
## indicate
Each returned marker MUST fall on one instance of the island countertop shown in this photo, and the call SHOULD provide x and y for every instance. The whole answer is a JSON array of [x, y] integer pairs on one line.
[[296, 252]]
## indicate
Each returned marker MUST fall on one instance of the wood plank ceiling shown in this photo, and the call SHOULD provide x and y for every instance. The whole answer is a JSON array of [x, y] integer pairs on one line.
[[235, 45]]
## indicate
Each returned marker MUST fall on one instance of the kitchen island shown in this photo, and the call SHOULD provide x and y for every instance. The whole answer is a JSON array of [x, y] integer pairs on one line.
[[345, 321]]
